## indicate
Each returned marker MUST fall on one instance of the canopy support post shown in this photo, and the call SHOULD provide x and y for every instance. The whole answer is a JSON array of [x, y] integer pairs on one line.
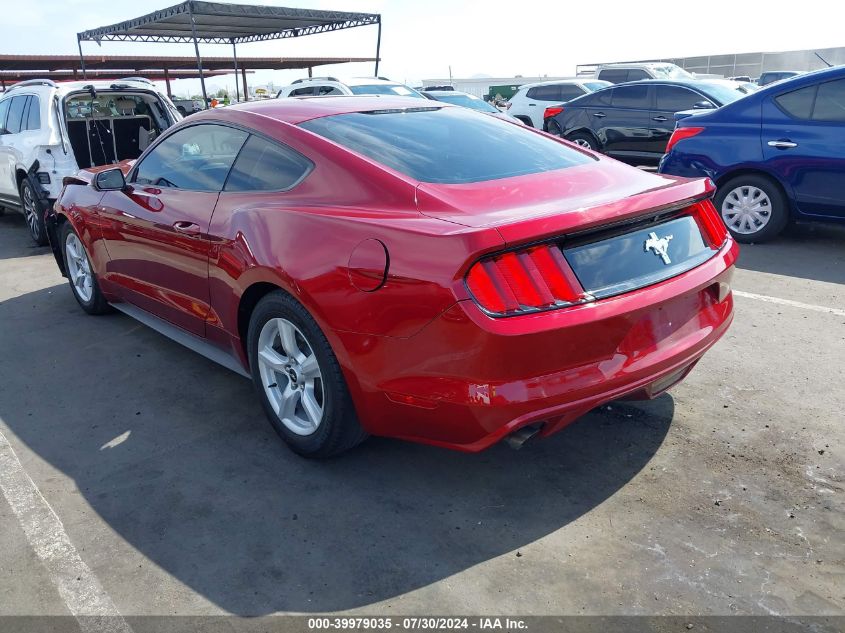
[[197, 51], [235, 56], [378, 44], [167, 83], [246, 90], [81, 56]]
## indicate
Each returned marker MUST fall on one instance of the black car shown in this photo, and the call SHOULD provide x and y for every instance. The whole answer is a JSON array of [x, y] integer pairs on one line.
[[771, 76], [633, 121]]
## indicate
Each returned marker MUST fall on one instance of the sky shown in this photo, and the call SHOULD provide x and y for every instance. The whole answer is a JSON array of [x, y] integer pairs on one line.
[[421, 39]]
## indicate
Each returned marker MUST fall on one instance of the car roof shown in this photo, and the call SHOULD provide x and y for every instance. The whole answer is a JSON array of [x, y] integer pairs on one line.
[[637, 65], [556, 82], [306, 108], [348, 81], [65, 87]]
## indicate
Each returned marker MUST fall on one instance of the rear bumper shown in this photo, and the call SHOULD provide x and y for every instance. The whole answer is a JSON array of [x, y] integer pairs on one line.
[[468, 380]]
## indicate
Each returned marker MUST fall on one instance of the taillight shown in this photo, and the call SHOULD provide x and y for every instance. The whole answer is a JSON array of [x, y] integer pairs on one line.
[[529, 280], [711, 222], [552, 111], [680, 134]]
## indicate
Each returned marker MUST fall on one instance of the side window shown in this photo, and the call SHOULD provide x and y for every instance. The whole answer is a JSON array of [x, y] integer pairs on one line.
[[33, 117], [830, 102], [13, 121], [303, 92], [567, 92], [196, 158], [798, 103], [614, 75], [598, 99], [4, 110], [630, 97], [266, 166], [539, 93], [635, 74], [328, 90], [675, 99]]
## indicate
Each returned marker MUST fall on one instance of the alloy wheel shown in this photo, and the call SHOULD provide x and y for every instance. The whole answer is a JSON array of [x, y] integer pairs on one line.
[[746, 210], [79, 268], [291, 376], [30, 211], [582, 142]]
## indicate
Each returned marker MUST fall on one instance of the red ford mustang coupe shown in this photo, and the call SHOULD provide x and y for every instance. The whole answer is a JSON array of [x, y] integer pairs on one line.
[[421, 272]]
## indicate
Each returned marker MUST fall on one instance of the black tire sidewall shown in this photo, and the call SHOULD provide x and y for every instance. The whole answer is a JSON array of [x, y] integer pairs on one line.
[[41, 238], [336, 400], [779, 210]]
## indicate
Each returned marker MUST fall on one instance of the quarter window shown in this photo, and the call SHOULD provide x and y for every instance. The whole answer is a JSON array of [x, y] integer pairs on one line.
[[614, 76], [830, 102], [630, 97], [4, 110], [798, 103], [33, 117], [635, 74], [302, 92], [266, 166], [196, 158], [675, 99]]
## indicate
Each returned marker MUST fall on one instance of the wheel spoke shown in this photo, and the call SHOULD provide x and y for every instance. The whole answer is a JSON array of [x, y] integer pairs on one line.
[[287, 334], [310, 368], [272, 358], [313, 410], [289, 400]]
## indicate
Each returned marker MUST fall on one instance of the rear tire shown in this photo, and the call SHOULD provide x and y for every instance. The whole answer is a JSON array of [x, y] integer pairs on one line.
[[34, 213], [553, 127], [753, 208], [584, 140], [299, 380], [80, 273]]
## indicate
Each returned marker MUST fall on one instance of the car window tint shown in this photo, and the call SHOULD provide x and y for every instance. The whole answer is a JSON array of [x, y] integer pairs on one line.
[[567, 92], [266, 166], [13, 121], [302, 92], [675, 98], [446, 145], [798, 103], [635, 74], [196, 158], [830, 101], [630, 97], [4, 110], [33, 118], [328, 90], [614, 75], [544, 93]]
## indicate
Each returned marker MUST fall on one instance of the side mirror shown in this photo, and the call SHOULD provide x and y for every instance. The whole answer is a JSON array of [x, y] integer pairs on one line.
[[110, 180], [703, 105]]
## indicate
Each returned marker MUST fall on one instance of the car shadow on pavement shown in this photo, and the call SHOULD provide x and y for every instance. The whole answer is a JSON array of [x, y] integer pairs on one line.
[[174, 455], [14, 223], [807, 251]]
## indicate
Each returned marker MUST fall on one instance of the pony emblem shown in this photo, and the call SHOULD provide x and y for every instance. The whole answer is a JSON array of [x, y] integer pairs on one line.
[[660, 246]]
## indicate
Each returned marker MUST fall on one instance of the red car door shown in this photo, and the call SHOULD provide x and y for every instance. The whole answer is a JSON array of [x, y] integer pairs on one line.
[[156, 231]]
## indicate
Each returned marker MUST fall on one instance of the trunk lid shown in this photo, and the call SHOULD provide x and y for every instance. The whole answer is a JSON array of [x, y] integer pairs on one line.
[[574, 199]]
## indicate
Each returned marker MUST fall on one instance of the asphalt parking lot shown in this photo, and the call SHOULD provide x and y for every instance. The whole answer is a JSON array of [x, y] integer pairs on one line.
[[171, 494]]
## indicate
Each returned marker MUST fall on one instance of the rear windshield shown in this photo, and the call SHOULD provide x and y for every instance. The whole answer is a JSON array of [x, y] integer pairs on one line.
[[446, 145], [385, 89], [467, 101]]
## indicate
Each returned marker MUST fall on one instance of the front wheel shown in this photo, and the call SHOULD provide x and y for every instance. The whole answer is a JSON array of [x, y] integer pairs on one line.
[[80, 274], [299, 380], [34, 213], [752, 207]]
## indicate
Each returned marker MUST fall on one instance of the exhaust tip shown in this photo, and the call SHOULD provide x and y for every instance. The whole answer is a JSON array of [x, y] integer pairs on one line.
[[516, 439]]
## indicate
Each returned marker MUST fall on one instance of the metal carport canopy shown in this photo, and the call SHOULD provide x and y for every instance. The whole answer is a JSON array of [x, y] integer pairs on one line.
[[196, 21]]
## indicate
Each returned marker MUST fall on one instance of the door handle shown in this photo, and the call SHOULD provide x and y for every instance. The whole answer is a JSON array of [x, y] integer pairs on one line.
[[658, 118], [782, 144], [531, 105], [600, 115], [187, 228]]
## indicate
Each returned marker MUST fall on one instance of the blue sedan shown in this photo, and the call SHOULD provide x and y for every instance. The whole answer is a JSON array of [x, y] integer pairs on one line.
[[775, 155]]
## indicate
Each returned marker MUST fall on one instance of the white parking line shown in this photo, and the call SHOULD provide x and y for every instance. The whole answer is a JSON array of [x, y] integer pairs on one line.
[[790, 302], [76, 583]]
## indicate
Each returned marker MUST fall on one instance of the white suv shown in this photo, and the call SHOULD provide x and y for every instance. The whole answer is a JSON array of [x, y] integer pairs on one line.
[[531, 100], [49, 131], [635, 71], [327, 86]]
